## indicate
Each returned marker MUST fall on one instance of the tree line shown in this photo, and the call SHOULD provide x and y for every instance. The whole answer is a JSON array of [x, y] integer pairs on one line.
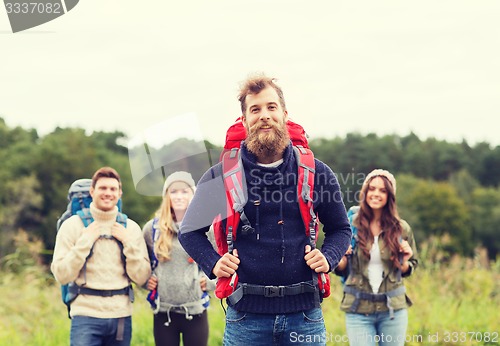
[[448, 192]]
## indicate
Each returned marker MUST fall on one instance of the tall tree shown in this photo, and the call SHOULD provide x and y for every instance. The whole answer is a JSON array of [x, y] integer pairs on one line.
[[486, 219], [439, 211]]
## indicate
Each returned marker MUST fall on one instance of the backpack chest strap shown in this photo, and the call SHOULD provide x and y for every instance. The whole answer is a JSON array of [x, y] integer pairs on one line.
[[271, 291], [75, 289]]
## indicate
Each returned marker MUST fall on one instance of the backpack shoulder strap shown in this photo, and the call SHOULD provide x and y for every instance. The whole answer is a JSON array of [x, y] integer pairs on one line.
[[405, 230], [87, 219], [155, 230], [236, 195], [155, 234], [305, 189], [122, 218], [351, 215], [85, 216], [306, 169]]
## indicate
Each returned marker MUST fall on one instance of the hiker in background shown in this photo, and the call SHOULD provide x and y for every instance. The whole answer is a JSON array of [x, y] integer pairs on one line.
[[276, 300], [178, 284], [384, 251], [101, 313]]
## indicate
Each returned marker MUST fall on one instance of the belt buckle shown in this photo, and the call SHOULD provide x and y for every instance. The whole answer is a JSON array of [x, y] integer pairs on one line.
[[274, 291], [107, 293]]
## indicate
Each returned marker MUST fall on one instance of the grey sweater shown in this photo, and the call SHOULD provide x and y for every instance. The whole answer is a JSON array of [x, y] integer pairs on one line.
[[179, 288]]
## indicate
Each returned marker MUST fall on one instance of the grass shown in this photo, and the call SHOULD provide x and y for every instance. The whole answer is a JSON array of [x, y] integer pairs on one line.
[[456, 303]]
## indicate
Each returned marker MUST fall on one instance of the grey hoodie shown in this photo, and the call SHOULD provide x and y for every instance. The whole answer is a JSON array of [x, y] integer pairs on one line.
[[179, 288]]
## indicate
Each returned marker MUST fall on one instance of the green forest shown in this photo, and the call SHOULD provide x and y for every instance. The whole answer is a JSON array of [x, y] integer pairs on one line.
[[448, 192]]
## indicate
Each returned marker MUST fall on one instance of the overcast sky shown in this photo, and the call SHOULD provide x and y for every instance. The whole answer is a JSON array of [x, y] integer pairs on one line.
[[431, 67]]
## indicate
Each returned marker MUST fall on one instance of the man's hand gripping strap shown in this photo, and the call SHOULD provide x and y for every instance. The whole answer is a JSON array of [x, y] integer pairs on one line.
[[236, 195], [305, 193]]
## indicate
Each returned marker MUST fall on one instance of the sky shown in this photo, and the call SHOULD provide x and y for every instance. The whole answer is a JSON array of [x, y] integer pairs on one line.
[[384, 67]]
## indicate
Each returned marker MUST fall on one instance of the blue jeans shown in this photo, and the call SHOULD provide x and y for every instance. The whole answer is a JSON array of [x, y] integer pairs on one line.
[[92, 331], [301, 328], [365, 330]]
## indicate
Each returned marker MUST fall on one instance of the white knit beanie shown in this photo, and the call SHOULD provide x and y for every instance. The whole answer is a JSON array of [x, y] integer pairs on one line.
[[383, 173], [178, 176]]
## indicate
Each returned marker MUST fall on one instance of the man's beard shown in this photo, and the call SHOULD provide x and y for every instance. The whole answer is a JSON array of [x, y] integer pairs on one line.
[[267, 144]]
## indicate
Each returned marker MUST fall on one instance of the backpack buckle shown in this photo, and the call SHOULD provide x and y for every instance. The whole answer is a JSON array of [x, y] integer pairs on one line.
[[274, 291], [107, 293]]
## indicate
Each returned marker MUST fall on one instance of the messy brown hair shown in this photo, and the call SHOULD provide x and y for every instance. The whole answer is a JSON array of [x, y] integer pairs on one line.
[[254, 85]]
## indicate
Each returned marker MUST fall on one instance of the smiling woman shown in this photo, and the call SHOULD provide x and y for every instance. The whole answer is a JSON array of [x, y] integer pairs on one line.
[[382, 253], [178, 289]]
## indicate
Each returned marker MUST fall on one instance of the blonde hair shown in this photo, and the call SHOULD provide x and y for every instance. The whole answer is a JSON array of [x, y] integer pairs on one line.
[[166, 226]]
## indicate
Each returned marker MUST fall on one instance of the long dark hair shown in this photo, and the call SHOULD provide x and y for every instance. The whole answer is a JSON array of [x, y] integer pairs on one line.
[[389, 222]]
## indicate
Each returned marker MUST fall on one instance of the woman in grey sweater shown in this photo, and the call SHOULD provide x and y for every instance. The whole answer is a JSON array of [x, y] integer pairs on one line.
[[178, 287]]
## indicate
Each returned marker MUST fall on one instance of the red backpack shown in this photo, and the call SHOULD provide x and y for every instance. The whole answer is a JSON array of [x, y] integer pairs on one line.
[[234, 178]]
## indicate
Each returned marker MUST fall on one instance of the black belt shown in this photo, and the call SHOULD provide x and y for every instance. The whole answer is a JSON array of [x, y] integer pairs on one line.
[[271, 291]]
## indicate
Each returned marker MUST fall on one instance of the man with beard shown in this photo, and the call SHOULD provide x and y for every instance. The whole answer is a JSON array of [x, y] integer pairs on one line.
[[276, 252]]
